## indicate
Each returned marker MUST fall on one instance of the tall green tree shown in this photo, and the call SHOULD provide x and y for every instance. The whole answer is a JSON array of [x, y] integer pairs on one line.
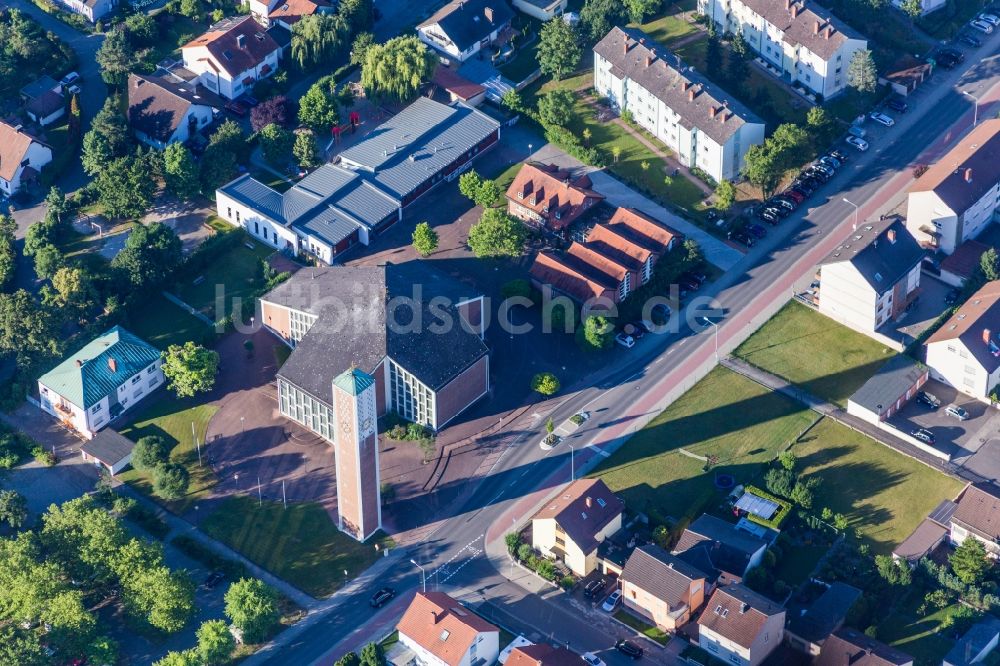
[[170, 481], [215, 643], [13, 508], [360, 46], [190, 369], [107, 138], [27, 329], [725, 195], [150, 254], [48, 260], [317, 39], [115, 57], [319, 108], [598, 17], [556, 107], [252, 606], [497, 234], [989, 264], [359, 15], [425, 239], [969, 562], [180, 171], [395, 70], [276, 143], [638, 10], [762, 168], [373, 655], [861, 72], [304, 149], [559, 50], [598, 332], [125, 187], [8, 250]]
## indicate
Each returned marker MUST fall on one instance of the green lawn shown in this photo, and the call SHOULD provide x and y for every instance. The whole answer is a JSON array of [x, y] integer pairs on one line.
[[161, 323], [921, 637], [524, 63], [299, 544], [809, 349], [797, 563], [668, 28], [238, 273], [643, 627], [883, 493], [724, 414], [173, 419]]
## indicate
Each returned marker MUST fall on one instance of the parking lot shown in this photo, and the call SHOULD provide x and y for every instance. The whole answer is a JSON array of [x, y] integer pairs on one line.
[[928, 307], [962, 440]]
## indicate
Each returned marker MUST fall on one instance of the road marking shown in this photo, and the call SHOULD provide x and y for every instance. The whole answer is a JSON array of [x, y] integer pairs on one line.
[[603, 452], [448, 571]]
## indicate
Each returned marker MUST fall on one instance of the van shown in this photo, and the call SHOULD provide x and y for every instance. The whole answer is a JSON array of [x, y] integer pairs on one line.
[[859, 132]]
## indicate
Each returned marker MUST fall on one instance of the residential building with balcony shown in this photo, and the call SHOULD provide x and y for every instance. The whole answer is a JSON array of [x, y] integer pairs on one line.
[[573, 524], [463, 28], [162, 111], [739, 626], [231, 56], [958, 197], [661, 587], [439, 631], [965, 352], [95, 385], [976, 514], [800, 40], [872, 277], [704, 125]]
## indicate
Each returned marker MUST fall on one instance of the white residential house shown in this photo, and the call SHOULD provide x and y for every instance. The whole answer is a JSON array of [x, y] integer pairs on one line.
[[94, 386], [232, 55], [976, 514], [871, 277], [957, 198], [162, 111], [543, 10], [965, 352], [801, 41], [704, 125], [926, 6], [739, 626], [575, 522], [441, 632], [22, 157], [92, 10], [463, 28], [286, 12]]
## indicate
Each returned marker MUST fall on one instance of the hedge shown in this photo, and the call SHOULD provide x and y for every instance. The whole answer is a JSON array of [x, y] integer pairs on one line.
[[784, 508]]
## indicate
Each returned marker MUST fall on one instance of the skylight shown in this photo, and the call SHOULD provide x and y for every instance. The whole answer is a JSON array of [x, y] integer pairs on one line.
[[445, 634]]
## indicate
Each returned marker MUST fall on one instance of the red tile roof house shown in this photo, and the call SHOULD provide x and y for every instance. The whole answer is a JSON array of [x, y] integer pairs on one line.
[[232, 55], [22, 157], [572, 525], [661, 587], [542, 655], [441, 632], [965, 351], [740, 626], [977, 514], [850, 647], [545, 196], [719, 549]]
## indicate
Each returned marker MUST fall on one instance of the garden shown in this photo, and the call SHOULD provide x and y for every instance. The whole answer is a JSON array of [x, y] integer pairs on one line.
[[238, 272]]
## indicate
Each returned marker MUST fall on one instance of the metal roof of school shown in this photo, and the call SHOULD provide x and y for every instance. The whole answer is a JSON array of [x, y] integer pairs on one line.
[[87, 376], [418, 142]]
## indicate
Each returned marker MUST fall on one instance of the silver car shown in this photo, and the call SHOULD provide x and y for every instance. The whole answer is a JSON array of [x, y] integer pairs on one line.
[[957, 412]]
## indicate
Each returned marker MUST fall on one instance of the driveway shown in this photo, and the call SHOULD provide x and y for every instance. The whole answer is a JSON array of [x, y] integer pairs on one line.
[[961, 439]]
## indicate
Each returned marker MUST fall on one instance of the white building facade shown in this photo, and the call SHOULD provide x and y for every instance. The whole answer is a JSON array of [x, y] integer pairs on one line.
[[19, 151], [232, 56]]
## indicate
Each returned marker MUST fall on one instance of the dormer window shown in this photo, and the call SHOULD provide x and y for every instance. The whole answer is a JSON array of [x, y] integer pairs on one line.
[[532, 200]]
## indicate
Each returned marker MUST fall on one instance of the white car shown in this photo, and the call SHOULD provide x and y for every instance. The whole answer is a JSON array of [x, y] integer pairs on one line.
[[611, 603], [992, 19], [881, 118], [625, 340], [593, 659], [858, 143], [982, 26], [957, 412]]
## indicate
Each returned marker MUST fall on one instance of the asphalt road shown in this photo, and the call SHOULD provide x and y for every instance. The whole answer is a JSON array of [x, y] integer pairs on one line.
[[661, 368]]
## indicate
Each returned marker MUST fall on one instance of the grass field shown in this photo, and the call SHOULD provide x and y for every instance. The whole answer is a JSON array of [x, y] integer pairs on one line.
[[524, 63], [299, 544], [161, 323], [797, 563], [808, 349], [644, 628], [668, 28], [922, 638], [238, 272], [884, 494], [726, 415], [172, 419]]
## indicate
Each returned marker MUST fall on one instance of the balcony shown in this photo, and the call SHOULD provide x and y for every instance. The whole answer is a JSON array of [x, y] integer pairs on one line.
[[63, 408]]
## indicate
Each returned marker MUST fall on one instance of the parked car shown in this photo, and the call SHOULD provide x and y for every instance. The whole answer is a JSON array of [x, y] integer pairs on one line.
[[593, 659], [830, 161], [823, 168], [74, 90], [694, 277], [881, 118], [769, 215], [756, 230], [382, 597], [788, 204], [992, 19], [953, 53], [923, 435], [859, 132], [611, 603], [821, 176], [970, 40], [952, 296], [844, 159], [625, 340], [594, 587], [945, 61], [741, 237], [791, 193], [982, 26], [928, 399], [957, 412], [628, 649], [213, 580], [249, 100], [860, 144], [806, 185], [70, 79], [236, 108], [633, 329], [897, 105]]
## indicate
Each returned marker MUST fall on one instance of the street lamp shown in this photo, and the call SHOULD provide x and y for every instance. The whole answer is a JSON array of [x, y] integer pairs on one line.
[[975, 108], [856, 207], [423, 574], [712, 323]]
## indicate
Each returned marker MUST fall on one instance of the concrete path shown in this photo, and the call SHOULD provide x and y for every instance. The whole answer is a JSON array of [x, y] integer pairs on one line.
[[619, 194]]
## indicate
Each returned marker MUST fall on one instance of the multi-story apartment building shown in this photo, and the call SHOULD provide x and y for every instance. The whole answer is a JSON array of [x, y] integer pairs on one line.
[[704, 125], [739, 626], [232, 55], [959, 196], [572, 525], [871, 277], [464, 28], [965, 352], [800, 40]]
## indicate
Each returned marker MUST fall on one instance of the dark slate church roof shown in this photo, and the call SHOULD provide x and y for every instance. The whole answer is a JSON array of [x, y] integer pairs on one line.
[[366, 313]]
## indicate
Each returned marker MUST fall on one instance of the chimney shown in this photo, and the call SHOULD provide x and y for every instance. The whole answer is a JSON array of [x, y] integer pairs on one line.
[[434, 617], [649, 60], [891, 235], [691, 95], [788, 5], [986, 336], [687, 84], [829, 31], [589, 502], [712, 111], [489, 14], [968, 175], [815, 27], [241, 41], [112, 364], [625, 47], [79, 363], [795, 11]]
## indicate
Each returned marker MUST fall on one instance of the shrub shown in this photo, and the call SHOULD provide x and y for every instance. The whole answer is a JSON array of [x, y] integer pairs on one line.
[[149, 452], [546, 570], [170, 481], [147, 520], [43, 457], [525, 552], [194, 549], [513, 541], [516, 288], [545, 383], [567, 583]]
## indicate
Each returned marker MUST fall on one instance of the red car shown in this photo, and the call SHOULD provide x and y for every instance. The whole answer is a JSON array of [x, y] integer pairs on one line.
[[794, 194]]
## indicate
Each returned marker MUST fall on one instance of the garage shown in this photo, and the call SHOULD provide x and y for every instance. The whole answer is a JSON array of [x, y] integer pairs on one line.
[[108, 449]]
